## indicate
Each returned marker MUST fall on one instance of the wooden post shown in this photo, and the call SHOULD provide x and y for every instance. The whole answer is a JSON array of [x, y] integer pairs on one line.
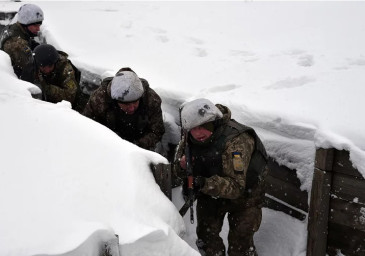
[[111, 248], [162, 174], [319, 203]]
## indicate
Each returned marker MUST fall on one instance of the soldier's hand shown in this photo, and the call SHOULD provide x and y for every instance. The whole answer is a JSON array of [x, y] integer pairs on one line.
[[199, 182], [183, 162]]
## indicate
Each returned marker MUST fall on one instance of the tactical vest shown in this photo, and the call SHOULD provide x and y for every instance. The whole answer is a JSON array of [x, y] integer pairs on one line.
[[208, 158]]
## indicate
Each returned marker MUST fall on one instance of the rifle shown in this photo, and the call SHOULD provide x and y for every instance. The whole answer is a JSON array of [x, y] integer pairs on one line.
[[190, 186]]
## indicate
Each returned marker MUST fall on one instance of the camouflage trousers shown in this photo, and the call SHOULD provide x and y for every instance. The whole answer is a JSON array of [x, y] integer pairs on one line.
[[243, 223]]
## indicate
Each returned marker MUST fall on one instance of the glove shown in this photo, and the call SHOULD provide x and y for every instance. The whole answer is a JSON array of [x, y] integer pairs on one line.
[[199, 182]]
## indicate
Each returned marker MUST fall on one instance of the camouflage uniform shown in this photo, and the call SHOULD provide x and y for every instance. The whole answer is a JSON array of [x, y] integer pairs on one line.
[[19, 44], [144, 128], [228, 188], [61, 83]]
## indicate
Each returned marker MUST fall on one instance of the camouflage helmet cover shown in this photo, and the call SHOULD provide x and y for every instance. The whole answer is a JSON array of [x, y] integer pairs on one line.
[[126, 87], [198, 112], [29, 14]]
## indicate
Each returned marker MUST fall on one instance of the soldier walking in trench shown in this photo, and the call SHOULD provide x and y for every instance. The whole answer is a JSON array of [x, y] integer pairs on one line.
[[229, 168]]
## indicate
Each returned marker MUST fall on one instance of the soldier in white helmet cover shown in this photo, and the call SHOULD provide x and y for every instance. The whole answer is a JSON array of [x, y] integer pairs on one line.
[[17, 40], [229, 165], [127, 105]]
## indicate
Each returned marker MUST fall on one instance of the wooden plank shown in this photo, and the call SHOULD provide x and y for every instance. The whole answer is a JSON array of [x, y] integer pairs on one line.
[[162, 174], [277, 206], [111, 247], [283, 173], [287, 192], [342, 164], [348, 214], [324, 159], [318, 213], [351, 242], [349, 188]]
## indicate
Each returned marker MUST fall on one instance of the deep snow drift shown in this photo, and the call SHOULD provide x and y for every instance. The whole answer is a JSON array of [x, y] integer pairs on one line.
[[292, 70]]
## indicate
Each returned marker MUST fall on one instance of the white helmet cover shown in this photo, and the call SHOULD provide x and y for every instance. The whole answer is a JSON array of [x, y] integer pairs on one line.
[[29, 14], [126, 87], [198, 112]]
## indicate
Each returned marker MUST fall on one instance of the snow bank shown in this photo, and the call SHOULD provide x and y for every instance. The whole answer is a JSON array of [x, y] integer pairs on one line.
[[68, 183]]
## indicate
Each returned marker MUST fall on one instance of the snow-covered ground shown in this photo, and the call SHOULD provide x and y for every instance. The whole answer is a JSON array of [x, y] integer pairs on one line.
[[292, 70]]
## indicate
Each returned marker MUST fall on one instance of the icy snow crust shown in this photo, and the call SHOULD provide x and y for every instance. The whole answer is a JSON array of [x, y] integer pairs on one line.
[[292, 70]]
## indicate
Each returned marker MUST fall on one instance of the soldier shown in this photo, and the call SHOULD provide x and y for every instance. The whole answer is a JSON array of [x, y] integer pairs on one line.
[[229, 165], [127, 105], [59, 79], [17, 39]]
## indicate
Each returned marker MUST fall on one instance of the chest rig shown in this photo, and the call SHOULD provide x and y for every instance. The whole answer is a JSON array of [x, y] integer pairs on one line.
[[208, 157]]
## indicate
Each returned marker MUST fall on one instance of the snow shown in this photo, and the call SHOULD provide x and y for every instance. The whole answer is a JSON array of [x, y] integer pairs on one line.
[[292, 70]]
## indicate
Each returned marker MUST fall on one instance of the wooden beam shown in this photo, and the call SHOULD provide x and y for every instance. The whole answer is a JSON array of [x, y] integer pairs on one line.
[[319, 203], [162, 174], [348, 214], [287, 192], [276, 205], [342, 164], [350, 241], [349, 188], [324, 159]]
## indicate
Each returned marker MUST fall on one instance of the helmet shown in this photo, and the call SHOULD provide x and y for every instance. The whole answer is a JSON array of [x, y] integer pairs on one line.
[[29, 14], [198, 112], [45, 55], [126, 87]]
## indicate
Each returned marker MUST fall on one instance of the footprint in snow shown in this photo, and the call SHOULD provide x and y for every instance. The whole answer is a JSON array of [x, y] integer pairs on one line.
[[305, 60], [195, 40], [357, 62], [247, 56], [158, 30], [291, 83], [200, 52], [223, 88], [162, 38], [126, 24]]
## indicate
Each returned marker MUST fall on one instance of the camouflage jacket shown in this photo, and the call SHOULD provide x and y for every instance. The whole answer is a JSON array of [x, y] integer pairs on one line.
[[144, 128], [226, 175], [61, 83], [18, 44]]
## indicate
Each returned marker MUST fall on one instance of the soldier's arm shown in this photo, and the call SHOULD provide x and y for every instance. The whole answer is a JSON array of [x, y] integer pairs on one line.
[[96, 105], [176, 167], [20, 53], [232, 184], [155, 128], [64, 91]]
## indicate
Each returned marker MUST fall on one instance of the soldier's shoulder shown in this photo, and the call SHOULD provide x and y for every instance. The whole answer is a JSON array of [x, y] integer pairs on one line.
[[16, 42], [100, 94], [241, 140], [153, 98]]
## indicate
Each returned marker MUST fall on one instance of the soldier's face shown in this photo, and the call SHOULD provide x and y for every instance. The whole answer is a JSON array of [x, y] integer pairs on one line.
[[34, 29], [47, 69], [199, 133], [130, 107]]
